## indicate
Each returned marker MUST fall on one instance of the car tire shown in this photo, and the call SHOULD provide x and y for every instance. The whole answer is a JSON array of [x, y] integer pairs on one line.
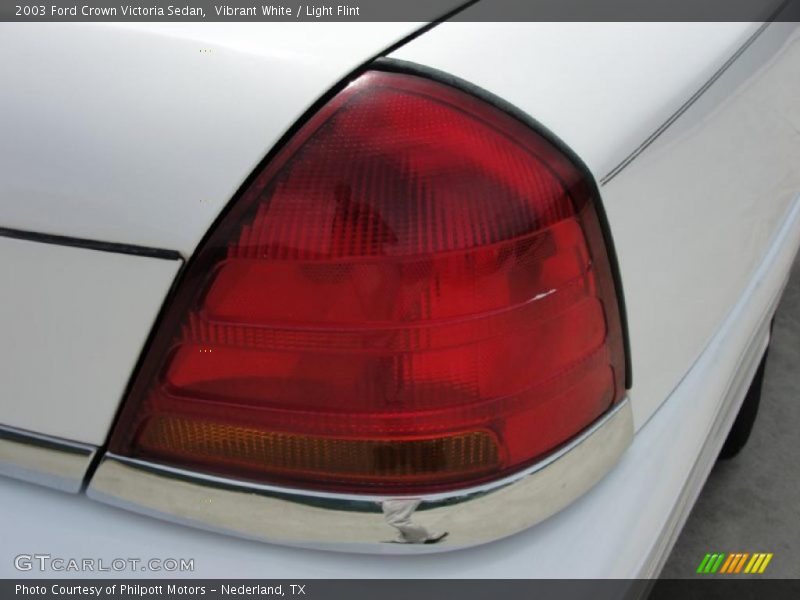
[[743, 425]]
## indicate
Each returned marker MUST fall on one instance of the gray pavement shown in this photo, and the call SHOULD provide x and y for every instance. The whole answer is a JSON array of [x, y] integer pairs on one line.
[[751, 503]]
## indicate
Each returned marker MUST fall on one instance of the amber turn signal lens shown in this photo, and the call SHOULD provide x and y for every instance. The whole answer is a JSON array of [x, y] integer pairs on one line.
[[260, 452]]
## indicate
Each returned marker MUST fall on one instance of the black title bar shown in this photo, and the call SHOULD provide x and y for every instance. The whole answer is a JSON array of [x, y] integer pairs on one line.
[[400, 10]]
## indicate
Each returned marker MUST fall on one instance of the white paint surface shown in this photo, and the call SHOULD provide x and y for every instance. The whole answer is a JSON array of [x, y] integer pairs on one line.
[[73, 325]]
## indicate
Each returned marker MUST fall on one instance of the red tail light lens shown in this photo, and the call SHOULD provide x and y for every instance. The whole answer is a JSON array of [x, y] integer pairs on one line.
[[414, 295]]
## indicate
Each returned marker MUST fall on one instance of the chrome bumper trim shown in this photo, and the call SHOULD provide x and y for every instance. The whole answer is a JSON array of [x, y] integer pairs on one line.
[[44, 460], [356, 523]]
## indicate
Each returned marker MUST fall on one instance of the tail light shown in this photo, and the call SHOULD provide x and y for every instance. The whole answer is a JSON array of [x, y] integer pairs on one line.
[[414, 295]]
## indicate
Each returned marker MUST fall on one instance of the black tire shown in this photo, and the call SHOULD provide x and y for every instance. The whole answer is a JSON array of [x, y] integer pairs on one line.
[[743, 425]]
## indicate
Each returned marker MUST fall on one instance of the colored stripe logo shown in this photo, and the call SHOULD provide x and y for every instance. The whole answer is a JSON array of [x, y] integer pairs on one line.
[[734, 563]]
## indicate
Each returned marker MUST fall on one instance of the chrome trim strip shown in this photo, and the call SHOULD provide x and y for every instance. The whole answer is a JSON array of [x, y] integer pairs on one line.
[[370, 524], [43, 459]]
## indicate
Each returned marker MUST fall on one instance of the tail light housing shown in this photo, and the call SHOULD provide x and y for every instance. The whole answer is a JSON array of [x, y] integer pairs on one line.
[[413, 295]]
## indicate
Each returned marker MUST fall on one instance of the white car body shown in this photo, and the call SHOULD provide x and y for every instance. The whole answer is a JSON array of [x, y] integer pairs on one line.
[[691, 131]]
